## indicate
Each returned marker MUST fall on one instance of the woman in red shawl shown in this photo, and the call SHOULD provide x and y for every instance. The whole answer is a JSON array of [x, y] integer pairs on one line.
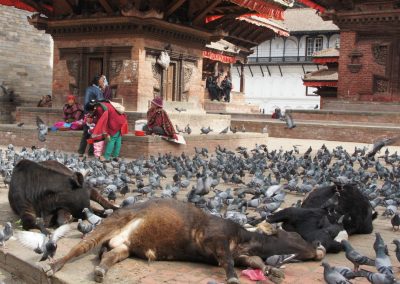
[[158, 121], [112, 124]]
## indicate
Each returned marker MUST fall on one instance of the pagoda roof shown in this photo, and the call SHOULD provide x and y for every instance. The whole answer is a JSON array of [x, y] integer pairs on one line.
[[322, 77], [244, 23]]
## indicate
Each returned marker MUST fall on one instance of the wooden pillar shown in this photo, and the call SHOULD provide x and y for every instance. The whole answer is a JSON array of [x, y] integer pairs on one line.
[[242, 80]]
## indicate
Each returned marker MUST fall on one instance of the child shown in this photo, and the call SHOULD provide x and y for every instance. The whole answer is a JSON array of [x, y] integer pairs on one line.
[[98, 145]]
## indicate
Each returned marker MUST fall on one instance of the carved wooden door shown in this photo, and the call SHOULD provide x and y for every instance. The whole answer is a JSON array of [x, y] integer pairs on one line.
[[171, 81], [95, 67]]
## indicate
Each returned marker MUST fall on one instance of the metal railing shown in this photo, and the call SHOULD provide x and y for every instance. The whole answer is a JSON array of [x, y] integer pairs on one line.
[[280, 59]]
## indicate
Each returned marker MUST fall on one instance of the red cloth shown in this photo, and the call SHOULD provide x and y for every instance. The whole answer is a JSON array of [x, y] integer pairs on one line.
[[72, 113], [110, 122], [159, 117], [254, 274], [219, 57]]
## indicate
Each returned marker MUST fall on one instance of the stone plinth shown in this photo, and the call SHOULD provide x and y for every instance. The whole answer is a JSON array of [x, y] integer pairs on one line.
[[336, 104], [133, 146]]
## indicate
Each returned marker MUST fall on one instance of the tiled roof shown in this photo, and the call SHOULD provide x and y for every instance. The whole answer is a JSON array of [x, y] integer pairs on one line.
[[322, 75], [306, 19]]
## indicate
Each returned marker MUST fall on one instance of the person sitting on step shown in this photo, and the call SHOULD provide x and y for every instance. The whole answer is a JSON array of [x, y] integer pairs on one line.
[[158, 121]]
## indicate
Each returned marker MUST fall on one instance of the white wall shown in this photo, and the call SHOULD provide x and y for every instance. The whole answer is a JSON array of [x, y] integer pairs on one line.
[[269, 92]]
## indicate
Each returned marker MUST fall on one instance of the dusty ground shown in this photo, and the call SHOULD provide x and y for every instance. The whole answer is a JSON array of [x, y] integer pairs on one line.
[[139, 271]]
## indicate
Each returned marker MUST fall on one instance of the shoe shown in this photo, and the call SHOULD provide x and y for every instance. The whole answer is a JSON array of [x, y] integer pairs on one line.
[[115, 159], [81, 155], [103, 159]]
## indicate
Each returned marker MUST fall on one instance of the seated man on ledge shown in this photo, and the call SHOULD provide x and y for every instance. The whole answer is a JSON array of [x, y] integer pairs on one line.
[[158, 121]]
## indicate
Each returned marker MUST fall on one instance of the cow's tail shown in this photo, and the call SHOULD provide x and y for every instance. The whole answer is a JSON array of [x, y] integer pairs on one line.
[[97, 197]]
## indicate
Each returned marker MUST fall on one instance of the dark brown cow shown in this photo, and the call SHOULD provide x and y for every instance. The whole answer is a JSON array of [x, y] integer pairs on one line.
[[48, 188], [166, 229]]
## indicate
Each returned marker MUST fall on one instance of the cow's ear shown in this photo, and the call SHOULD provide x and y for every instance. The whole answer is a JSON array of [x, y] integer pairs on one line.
[[77, 180]]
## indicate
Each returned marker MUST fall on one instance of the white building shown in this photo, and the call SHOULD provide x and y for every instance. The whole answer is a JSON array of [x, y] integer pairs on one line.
[[274, 71]]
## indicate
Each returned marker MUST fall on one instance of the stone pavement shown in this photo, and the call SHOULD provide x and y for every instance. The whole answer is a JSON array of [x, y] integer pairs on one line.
[[23, 263]]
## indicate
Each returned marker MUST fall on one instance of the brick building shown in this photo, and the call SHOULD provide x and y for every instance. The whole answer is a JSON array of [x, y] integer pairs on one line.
[[25, 61], [369, 62], [123, 40]]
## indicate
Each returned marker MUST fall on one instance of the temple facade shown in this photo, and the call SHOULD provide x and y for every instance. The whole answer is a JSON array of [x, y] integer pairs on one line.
[[124, 40], [369, 62]]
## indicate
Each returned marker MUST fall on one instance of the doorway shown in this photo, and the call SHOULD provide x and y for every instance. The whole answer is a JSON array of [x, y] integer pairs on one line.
[[95, 68]]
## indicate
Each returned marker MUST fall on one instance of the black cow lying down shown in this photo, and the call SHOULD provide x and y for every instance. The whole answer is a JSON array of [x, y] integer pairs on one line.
[[47, 189], [322, 219], [166, 229]]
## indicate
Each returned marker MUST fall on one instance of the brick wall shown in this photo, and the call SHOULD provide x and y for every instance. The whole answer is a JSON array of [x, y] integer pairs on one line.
[[359, 86], [25, 57], [362, 133]]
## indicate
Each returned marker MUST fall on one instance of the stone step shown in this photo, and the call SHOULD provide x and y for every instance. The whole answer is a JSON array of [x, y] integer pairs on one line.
[[188, 106], [229, 107]]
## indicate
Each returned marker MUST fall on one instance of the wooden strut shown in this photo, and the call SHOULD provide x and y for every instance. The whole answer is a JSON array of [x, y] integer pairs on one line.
[[198, 19], [173, 7], [106, 6]]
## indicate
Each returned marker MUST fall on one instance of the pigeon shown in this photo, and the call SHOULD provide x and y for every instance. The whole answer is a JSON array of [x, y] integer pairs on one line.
[[395, 221], [380, 144], [225, 130], [382, 260], [397, 243], [128, 201], [188, 130], [316, 107], [355, 257], [42, 244], [289, 121], [243, 129], [20, 124], [84, 228], [42, 129], [376, 278], [279, 260], [234, 129], [6, 233], [205, 130], [346, 272], [180, 109], [91, 217], [124, 190], [112, 196], [332, 276]]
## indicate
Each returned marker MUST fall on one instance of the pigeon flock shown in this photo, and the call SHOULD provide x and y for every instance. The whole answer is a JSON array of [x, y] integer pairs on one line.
[[244, 186]]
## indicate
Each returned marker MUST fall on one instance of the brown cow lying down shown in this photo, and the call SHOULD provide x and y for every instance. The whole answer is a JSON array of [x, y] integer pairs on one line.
[[48, 189], [166, 229]]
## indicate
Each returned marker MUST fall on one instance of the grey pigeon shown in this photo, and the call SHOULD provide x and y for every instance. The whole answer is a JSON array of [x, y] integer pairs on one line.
[[355, 257], [346, 272], [6, 233], [91, 217], [180, 109], [380, 144], [42, 244], [382, 260], [397, 243], [376, 278], [42, 129], [128, 201], [395, 221], [332, 276], [84, 228], [225, 130], [289, 121], [279, 260], [188, 130], [205, 130]]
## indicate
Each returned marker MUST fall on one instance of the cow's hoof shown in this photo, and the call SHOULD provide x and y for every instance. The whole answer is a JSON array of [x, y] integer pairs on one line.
[[99, 274], [233, 280]]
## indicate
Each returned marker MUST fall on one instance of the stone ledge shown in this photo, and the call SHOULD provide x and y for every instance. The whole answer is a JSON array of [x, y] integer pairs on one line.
[[133, 146]]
